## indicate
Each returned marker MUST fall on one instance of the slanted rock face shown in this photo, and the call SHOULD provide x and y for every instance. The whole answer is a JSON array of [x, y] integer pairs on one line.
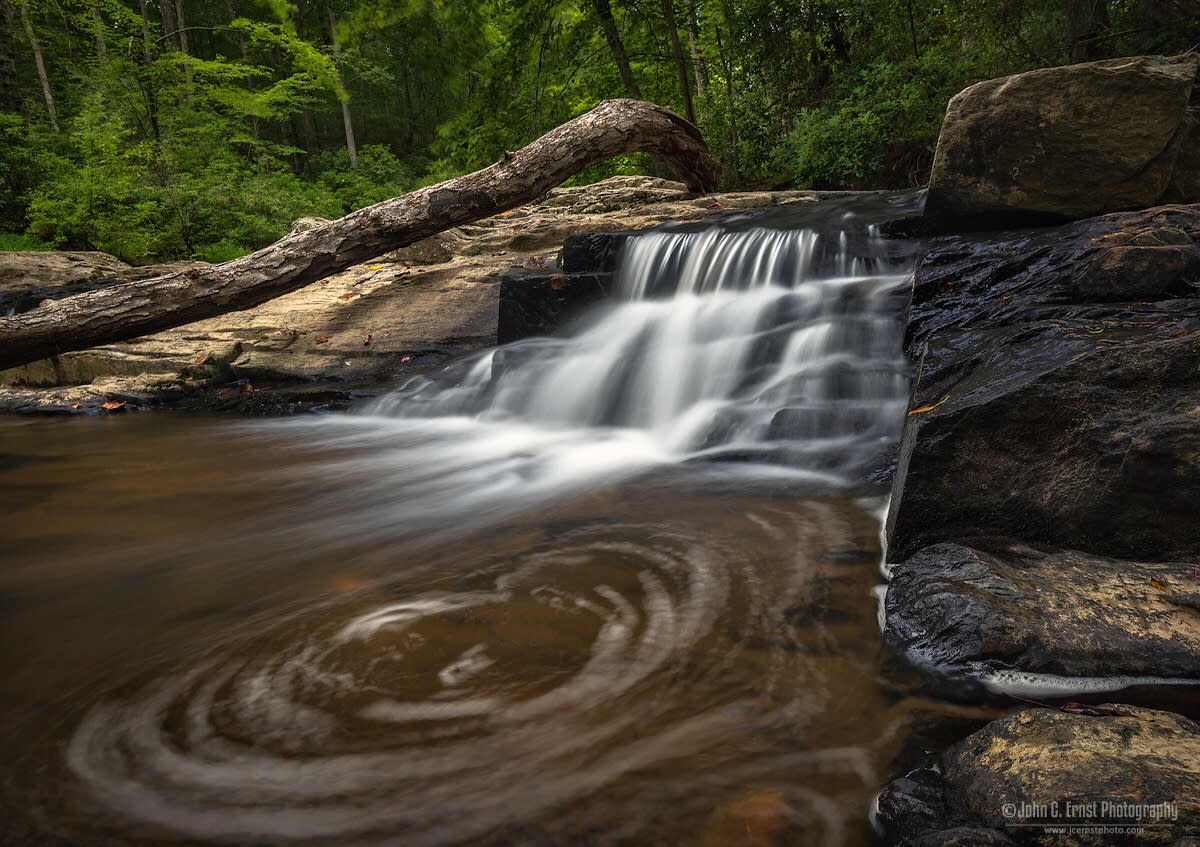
[[1071, 142], [969, 616], [28, 277], [1059, 390], [368, 325]]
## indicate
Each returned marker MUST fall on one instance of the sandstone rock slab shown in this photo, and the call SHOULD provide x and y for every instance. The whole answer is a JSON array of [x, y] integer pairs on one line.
[[1068, 142]]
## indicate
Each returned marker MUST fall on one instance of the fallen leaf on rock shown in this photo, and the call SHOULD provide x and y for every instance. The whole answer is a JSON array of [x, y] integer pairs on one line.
[[714, 207], [112, 405], [349, 295], [558, 282], [76, 405], [1157, 585], [406, 358], [321, 339], [366, 339], [376, 267], [920, 410], [247, 388]]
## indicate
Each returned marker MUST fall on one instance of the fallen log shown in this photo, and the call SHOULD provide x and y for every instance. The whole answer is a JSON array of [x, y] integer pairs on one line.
[[132, 309]]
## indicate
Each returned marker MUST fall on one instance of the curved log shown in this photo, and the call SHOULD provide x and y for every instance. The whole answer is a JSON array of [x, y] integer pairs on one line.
[[132, 309]]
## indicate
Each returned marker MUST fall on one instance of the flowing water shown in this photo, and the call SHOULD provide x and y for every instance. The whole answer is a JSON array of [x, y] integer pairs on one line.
[[612, 588]]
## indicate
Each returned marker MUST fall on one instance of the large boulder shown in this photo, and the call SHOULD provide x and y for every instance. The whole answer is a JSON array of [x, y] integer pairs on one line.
[[1110, 774], [1071, 142], [1042, 622], [1057, 395]]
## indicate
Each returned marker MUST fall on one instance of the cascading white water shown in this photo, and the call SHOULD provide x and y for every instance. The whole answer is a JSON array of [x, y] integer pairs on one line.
[[769, 342], [512, 649], [776, 348]]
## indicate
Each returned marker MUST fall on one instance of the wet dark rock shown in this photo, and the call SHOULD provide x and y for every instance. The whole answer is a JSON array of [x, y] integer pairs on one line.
[[964, 613], [1011, 782], [1043, 144], [543, 303], [1047, 409]]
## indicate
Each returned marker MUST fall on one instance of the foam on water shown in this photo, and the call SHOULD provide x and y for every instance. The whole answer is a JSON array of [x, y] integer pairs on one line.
[[1026, 684]]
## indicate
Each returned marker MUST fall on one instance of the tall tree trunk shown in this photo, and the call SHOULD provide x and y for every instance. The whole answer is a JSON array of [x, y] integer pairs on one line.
[[132, 309], [184, 48], [166, 8], [699, 69], [41, 65], [10, 91], [98, 25], [724, 50], [1086, 22], [685, 85], [146, 79], [307, 123], [241, 40], [347, 121], [615, 46]]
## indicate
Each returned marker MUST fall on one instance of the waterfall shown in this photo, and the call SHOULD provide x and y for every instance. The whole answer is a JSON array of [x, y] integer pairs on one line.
[[777, 344]]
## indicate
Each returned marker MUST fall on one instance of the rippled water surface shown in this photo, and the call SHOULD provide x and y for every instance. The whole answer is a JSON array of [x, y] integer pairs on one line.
[[664, 659], [607, 589]]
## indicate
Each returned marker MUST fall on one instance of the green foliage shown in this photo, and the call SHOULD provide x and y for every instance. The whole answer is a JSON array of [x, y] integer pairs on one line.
[[214, 152]]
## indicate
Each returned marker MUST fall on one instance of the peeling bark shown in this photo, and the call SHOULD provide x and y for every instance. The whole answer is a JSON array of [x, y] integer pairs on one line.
[[133, 309]]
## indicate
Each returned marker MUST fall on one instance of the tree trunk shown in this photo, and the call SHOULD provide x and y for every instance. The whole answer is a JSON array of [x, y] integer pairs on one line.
[[98, 25], [10, 92], [41, 65], [184, 48], [1086, 22], [146, 80], [685, 86], [344, 96], [699, 69], [133, 309], [616, 47]]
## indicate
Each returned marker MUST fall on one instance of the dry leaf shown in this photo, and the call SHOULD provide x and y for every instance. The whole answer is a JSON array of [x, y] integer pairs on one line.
[[349, 295], [920, 410], [112, 405], [321, 339], [406, 358], [558, 282], [76, 405], [247, 388], [1158, 586], [366, 339], [714, 207]]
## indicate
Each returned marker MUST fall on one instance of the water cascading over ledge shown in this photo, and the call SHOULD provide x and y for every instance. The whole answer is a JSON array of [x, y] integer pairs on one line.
[[774, 344]]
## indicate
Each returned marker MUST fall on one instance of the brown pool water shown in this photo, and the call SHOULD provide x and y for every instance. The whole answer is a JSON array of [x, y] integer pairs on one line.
[[686, 655]]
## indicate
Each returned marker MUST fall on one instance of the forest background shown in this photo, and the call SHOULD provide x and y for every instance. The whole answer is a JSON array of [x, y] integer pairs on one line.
[[165, 129]]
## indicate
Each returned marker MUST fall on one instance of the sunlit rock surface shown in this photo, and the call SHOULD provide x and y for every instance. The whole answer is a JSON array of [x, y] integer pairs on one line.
[[1118, 774], [409, 309], [1072, 623]]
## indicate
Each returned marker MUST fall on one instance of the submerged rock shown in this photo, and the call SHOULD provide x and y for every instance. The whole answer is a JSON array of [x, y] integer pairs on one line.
[[1044, 144], [1117, 774], [1044, 622]]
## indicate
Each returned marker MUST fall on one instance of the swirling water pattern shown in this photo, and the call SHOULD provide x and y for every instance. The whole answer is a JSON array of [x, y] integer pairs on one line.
[[512, 603]]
